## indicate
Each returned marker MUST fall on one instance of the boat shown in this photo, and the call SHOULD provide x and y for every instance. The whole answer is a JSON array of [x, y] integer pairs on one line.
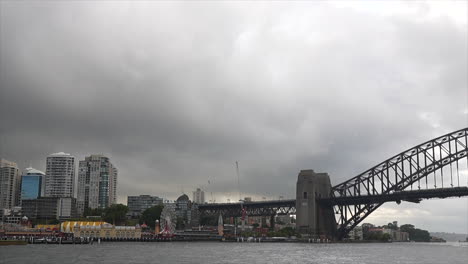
[[12, 242]]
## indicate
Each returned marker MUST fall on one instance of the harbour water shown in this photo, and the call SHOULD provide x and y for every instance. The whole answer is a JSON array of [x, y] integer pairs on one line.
[[217, 252]]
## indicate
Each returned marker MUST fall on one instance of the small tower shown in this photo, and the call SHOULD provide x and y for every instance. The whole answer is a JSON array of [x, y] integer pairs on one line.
[[157, 228], [220, 225]]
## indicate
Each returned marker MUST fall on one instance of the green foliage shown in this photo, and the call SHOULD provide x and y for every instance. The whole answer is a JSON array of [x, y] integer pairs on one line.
[[94, 219], [52, 221], [131, 222], [416, 234], [116, 214], [391, 226], [93, 212], [150, 215], [378, 236], [386, 237]]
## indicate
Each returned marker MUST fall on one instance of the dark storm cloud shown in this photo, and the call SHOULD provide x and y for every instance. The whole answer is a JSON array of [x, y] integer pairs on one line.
[[176, 93]]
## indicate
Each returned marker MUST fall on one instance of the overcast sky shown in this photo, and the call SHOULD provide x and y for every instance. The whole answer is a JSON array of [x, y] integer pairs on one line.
[[175, 93]]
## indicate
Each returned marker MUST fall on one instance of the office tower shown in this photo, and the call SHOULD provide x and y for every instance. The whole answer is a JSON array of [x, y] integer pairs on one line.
[[60, 175], [199, 196], [9, 184], [97, 183], [50, 208], [138, 204], [31, 184]]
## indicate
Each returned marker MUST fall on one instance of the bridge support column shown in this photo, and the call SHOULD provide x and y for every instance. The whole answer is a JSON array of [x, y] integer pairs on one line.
[[311, 217]]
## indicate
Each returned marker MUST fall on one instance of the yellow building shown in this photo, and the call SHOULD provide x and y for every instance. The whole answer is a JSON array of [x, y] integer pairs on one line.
[[107, 231], [68, 226]]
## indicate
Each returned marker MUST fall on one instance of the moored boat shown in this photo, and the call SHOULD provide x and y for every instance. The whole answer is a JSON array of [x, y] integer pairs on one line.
[[12, 242]]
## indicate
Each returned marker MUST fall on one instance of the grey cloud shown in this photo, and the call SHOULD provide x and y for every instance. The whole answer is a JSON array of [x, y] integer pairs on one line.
[[176, 93]]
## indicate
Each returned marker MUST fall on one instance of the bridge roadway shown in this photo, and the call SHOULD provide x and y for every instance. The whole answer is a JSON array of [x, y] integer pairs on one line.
[[410, 196], [287, 207], [260, 208]]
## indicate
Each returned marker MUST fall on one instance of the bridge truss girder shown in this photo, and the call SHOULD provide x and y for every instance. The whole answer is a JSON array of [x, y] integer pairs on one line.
[[392, 179], [270, 208]]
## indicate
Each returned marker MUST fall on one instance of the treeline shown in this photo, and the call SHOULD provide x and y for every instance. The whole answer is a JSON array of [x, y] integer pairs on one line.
[[117, 215], [416, 234]]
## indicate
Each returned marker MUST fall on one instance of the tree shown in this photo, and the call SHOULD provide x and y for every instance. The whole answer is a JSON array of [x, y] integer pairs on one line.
[[150, 215], [386, 237], [115, 214], [416, 234], [93, 212], [391, 226]]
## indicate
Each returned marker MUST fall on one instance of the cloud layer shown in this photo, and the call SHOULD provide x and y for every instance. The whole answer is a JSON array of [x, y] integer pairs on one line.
[[175, 93]]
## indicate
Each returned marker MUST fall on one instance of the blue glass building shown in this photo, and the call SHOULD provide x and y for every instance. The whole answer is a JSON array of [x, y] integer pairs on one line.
[[31, 184]]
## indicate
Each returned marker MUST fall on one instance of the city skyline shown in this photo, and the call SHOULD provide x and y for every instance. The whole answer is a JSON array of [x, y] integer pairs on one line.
[[176, 94]]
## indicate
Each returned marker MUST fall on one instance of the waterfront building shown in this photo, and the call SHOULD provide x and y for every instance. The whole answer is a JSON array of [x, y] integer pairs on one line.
[[50, 208], [9, 184], [138, 204], [69, 226], [97, 183], [31, 184], [12, 215], [171, 205], [107, 231], [199, 196], [400, 236], [60, 175], [183, 209]]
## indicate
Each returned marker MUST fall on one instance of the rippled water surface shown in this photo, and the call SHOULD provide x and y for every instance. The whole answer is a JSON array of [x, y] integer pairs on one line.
[[217, 252]]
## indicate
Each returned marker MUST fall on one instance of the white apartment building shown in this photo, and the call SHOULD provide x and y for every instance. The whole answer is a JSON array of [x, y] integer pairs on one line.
[[60, 175], [10, 180], [199, 196]]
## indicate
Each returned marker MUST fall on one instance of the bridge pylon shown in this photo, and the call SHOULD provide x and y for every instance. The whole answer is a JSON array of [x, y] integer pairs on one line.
[[312, 217]]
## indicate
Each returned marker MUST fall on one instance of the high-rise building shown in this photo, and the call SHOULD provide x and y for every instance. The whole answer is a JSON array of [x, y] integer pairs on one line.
[[199, 196], [138, 204], [60, 175], [97, 183], [113, 188], [9, 184], [31, 184]]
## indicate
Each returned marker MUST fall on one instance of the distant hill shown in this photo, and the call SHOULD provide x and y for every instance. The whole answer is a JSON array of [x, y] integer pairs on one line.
[[449, 236]]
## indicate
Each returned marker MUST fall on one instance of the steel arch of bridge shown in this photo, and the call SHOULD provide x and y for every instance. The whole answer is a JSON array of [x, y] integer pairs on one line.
[[402, 177]]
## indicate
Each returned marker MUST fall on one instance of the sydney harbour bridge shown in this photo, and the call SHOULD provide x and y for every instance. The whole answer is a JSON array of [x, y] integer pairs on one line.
[[434, 169]]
